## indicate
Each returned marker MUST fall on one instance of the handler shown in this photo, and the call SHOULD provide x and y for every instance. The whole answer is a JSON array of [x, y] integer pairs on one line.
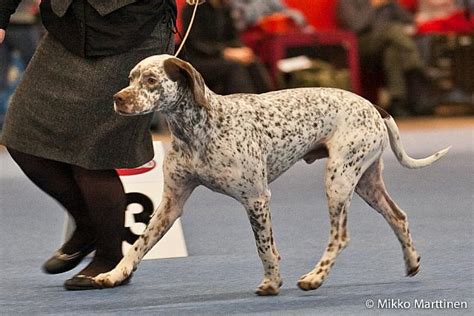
[[61, 128]]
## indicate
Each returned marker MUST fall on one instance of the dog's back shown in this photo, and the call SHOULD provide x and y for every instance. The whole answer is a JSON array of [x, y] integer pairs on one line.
[[293, 124]]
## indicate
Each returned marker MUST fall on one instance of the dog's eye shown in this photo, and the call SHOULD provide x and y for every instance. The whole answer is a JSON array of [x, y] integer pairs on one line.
[[151, 80]]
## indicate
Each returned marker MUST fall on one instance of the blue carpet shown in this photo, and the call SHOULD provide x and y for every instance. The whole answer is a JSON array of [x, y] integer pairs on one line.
[[219, 276]]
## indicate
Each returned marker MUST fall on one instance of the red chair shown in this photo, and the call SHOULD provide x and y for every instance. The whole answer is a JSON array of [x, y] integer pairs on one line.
[[273, 47], [321, 14]]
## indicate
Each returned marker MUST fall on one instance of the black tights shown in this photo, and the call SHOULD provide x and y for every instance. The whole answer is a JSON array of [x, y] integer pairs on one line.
[[94, 198]]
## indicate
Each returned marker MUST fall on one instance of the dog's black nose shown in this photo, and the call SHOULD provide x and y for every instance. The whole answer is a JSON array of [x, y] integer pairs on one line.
[[120, 99]]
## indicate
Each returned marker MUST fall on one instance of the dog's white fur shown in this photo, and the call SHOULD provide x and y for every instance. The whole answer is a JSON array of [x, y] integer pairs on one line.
[[238, 144]]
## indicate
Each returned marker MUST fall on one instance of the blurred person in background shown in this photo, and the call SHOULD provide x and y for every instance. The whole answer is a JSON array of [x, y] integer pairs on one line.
[[385, 31], [248, 13], [215, 50], [21, 39]]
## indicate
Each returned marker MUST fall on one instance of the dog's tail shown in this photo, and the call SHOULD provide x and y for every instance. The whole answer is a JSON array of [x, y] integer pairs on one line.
[[400, 153]]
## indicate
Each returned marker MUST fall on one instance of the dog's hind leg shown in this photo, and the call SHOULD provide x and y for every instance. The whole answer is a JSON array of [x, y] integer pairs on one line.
[[259, 215], [339, 190], [176, 192], [371, 189], [344, 169]]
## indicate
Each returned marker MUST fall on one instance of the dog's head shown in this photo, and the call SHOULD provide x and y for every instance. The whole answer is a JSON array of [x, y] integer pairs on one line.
[[156, 84]]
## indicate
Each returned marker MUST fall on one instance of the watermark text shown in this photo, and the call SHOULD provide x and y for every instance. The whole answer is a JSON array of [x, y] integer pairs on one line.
[[428, 304]]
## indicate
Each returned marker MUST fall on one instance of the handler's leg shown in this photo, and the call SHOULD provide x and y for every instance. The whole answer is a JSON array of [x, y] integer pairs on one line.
[[56, 179], [104, 196]]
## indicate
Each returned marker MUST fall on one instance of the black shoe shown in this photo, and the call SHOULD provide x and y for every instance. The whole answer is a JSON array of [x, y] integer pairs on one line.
[[61, 262], [82, 282]]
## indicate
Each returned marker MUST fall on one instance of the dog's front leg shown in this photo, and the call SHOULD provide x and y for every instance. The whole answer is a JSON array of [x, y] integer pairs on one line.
[[259, 215], [176, 191]]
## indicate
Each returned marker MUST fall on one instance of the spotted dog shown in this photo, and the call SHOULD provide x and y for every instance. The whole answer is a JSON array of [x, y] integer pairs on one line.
[[238, 144]]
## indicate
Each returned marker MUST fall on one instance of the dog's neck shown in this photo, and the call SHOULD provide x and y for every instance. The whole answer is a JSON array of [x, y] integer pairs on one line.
[[188, 120]]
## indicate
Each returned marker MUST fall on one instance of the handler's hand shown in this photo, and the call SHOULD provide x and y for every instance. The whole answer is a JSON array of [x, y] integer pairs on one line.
[[193, 2], [2, 35]]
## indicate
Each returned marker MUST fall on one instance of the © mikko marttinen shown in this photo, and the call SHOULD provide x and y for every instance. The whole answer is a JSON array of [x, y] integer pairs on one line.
[[390, 303]]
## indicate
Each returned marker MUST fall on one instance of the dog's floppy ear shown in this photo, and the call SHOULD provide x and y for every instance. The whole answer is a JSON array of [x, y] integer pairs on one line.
[[183, 72]]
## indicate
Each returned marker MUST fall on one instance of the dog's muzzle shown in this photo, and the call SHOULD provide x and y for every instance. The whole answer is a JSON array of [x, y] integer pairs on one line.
[[124, 103]]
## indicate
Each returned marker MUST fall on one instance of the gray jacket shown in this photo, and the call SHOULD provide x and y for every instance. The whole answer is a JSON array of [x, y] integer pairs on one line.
[[104, 7]]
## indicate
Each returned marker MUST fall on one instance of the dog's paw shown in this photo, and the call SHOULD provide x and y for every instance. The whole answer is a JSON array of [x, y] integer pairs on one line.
[[309, 282], [115, 277], [104, 280], [413, 266], [413, 270], [268, 288]]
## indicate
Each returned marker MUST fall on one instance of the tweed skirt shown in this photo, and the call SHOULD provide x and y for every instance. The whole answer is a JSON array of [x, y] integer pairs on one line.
[[63, 108]]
